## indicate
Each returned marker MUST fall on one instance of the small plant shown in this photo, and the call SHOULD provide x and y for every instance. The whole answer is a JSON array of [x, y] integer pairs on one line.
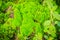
[[29, 20]]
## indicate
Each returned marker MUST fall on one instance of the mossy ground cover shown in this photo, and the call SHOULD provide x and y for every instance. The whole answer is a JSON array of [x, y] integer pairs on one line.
[[29, 20]]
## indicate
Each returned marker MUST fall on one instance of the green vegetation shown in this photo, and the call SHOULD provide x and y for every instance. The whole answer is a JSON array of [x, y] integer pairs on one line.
[[29, 20]]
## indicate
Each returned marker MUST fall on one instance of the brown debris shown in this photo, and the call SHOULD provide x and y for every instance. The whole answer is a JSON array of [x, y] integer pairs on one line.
[[11, 15]]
